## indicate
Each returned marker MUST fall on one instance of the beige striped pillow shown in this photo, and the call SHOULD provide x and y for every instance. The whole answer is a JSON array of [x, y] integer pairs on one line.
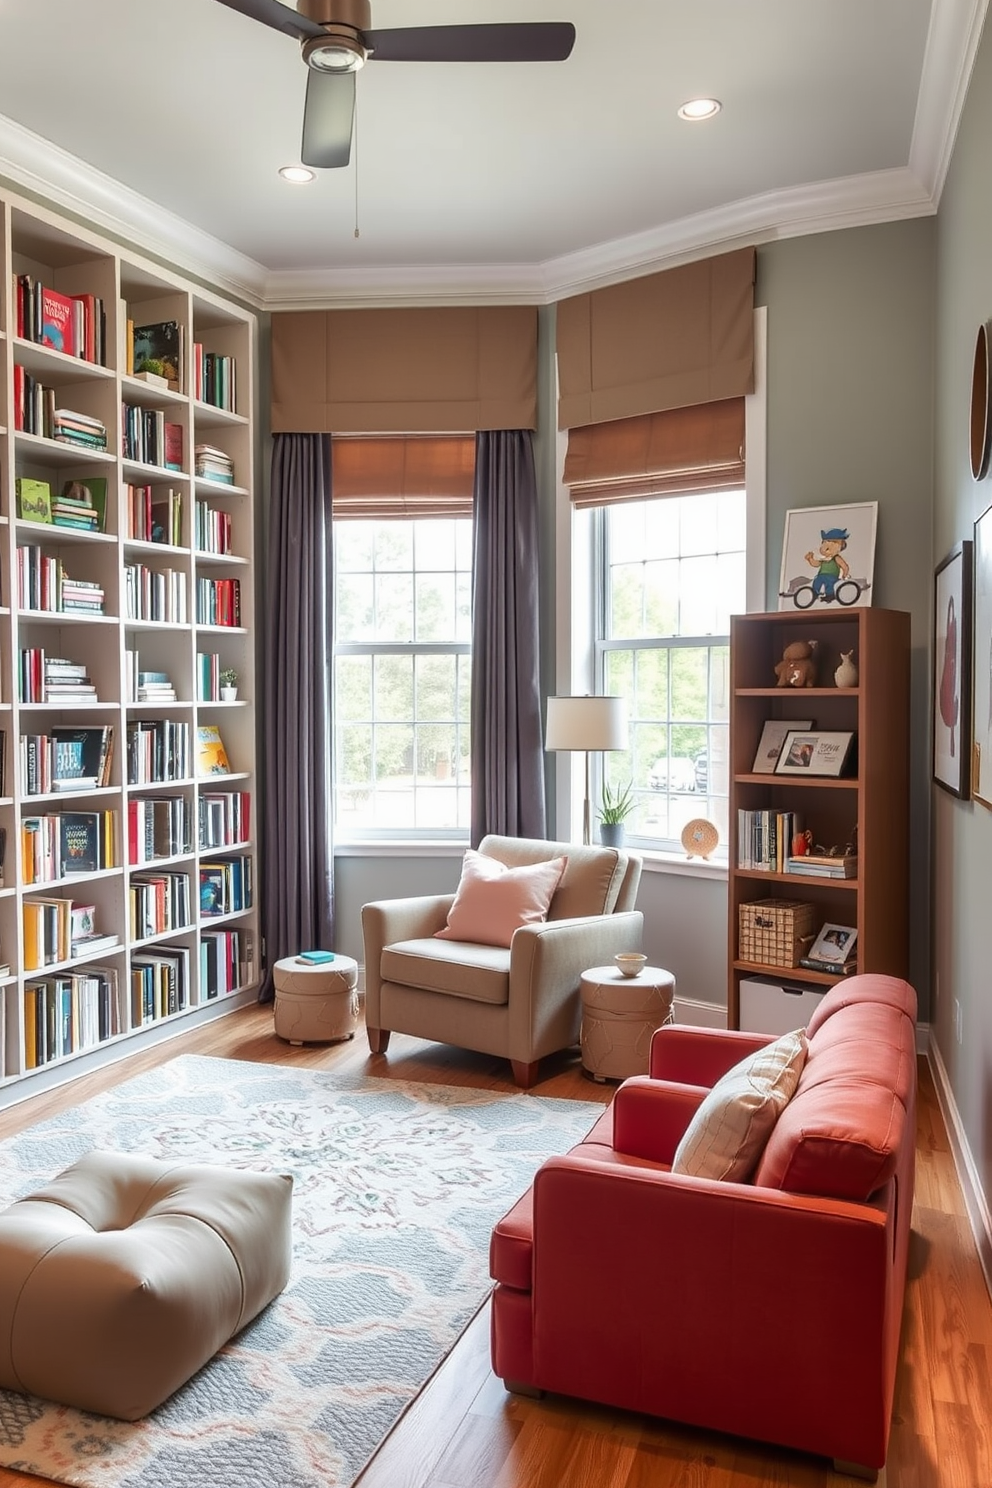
[[727, 1135]]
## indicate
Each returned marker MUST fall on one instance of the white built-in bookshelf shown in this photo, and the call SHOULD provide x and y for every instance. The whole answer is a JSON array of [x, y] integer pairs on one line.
[[128, 903]]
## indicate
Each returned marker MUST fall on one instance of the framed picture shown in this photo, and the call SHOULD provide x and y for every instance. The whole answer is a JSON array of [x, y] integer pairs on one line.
[[835, 943], [981, 752], [771, 741], [814, 753], [952, 620], [828, 556]]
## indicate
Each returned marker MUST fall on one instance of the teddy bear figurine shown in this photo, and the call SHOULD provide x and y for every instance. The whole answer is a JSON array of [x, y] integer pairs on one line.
[[798, 665]]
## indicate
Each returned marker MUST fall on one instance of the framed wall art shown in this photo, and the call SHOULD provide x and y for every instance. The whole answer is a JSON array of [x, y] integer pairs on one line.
[[981, 752], [952, 621], [828, 556]]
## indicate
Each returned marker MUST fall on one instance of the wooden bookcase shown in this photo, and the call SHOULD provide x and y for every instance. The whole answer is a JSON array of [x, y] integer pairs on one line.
[[73, 261], [872, 796]]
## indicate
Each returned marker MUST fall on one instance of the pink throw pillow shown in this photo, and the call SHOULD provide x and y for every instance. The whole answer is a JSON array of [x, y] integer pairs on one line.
[[492, 900]]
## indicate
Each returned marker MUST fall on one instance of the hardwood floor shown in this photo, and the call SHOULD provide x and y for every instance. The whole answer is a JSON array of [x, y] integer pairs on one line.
[[464, 1431]]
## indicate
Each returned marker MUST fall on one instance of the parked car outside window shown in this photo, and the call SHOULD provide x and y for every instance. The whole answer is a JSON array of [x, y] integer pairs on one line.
[[672, 774]]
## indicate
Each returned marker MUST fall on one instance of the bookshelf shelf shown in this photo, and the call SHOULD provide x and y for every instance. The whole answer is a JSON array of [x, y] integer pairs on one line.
[[870, 806], [190, 969]]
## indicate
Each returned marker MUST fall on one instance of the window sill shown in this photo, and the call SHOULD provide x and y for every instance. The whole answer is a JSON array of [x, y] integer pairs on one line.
[[678, 863]]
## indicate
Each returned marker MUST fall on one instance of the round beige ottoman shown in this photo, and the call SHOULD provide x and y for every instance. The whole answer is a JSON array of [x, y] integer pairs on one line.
[[619, 1015], [316, 1003]]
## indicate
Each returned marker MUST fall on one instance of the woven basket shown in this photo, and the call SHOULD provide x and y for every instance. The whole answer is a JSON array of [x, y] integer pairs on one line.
[[776, 932]]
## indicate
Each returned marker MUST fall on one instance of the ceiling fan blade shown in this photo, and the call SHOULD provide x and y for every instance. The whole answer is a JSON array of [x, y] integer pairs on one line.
[[280, 17], [524, 41], [328, 116]]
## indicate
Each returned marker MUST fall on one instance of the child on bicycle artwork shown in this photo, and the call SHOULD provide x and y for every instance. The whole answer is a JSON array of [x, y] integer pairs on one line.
[[831, 567]]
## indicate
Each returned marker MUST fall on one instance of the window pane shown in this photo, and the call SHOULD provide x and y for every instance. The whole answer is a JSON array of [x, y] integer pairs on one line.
[[673, 568], [402, 713]]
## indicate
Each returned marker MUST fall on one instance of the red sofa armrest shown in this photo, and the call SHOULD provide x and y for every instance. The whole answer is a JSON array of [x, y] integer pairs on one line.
[[650, 1116], [700, 1056]]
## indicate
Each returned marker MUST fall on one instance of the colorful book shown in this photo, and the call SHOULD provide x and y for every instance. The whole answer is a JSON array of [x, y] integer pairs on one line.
[[161, 341], [58, 321], [34, 500], [211, 756]]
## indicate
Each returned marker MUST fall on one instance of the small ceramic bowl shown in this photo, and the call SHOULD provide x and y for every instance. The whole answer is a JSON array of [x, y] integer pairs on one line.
[[630, 962]]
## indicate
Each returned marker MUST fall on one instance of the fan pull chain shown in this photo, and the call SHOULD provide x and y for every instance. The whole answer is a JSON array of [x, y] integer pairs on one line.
[[355, 142]]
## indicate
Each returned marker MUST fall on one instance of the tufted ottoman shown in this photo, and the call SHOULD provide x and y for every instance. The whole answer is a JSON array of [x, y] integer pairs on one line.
[[124, 1275], [316, 1004]]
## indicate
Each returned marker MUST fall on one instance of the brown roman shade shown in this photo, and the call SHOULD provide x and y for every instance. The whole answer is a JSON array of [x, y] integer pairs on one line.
[[660, 454], [458, 368], [668, 340], [403, 476]]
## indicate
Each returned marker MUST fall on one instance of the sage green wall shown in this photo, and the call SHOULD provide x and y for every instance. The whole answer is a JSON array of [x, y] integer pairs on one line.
[[850, 400], [962, 830], [850, 352]]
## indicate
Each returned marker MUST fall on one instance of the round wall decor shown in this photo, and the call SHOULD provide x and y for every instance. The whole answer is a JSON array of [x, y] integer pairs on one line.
[[981, 429], [699, 837]]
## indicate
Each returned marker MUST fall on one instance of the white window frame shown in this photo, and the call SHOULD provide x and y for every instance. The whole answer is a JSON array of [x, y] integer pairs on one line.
[[368, 836], [576, 599]]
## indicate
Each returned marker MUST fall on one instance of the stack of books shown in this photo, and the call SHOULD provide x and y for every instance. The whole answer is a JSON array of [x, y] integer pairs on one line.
[[825, 865], [155, 687], [213, 464], [81, 505], [67, 681], [81, 429], [81, 597]]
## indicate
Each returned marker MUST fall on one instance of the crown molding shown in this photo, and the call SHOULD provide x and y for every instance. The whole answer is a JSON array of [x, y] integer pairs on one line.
[[854, 201], [952, 45], [96, 200]]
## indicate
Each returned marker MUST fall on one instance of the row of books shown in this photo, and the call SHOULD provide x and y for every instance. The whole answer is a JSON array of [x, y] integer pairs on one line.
[[155, 594], [36, 412], [154, 514], [764, 838], [62, 843], [211, 463], [81, 504], [158, 750], [52, 679], [159, 984], [225, 886], [214, 378], [149, 438], [212, 529], [225, 961], [224, 818], [56, 930], [158, 827], [73, 324], [218, 601], [68, 1013], [43, 584], [66, 759], [158, 903]]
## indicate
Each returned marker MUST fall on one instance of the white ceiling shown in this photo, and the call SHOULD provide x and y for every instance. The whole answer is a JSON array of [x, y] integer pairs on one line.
[[170, 120]]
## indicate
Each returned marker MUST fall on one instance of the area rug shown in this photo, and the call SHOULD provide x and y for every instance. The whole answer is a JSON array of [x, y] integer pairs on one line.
[[396, 1189]]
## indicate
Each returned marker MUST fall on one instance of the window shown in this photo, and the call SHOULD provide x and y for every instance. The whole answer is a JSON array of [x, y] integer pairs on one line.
[[402, 674], [670, 571]]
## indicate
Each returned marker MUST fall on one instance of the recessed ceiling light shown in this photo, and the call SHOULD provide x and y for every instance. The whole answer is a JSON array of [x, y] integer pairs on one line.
[[700, 108], [298, 174]]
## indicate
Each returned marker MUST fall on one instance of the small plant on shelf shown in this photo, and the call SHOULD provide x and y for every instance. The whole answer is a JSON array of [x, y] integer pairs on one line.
[[617, 804], [153, 365], [228, 684]]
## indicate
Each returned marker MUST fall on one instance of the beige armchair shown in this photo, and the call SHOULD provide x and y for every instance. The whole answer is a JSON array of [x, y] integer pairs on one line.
[[522, 1002]]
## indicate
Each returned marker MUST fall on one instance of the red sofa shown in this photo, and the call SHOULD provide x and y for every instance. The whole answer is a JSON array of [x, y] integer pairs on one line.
[[769, 1309]]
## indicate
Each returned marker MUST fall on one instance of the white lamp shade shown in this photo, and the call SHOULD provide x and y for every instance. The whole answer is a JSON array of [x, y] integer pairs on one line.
[[586, 723]]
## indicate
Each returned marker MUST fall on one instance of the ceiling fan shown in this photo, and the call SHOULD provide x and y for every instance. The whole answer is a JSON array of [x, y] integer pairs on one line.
[[338, 39]]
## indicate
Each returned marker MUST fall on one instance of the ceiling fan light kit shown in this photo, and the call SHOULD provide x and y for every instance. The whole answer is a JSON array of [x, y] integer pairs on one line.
[[337, 40]]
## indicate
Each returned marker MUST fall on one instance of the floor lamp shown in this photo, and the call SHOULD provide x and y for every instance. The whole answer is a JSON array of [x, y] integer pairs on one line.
[[581, 724]]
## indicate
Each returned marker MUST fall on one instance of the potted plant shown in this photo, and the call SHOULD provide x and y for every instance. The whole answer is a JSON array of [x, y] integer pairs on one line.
[[616, 805], [228, 685], [151, 369]]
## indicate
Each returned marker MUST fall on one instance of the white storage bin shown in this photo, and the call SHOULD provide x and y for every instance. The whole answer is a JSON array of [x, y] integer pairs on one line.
[[777, 1007]]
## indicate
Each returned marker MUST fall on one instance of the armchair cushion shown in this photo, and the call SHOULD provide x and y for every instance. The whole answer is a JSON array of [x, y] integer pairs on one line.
[[493, 900], [727, 1134], [478, 972]]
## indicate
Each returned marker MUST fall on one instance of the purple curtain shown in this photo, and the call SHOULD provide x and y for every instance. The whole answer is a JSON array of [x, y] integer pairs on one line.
[[507, 740], [298, 864]]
